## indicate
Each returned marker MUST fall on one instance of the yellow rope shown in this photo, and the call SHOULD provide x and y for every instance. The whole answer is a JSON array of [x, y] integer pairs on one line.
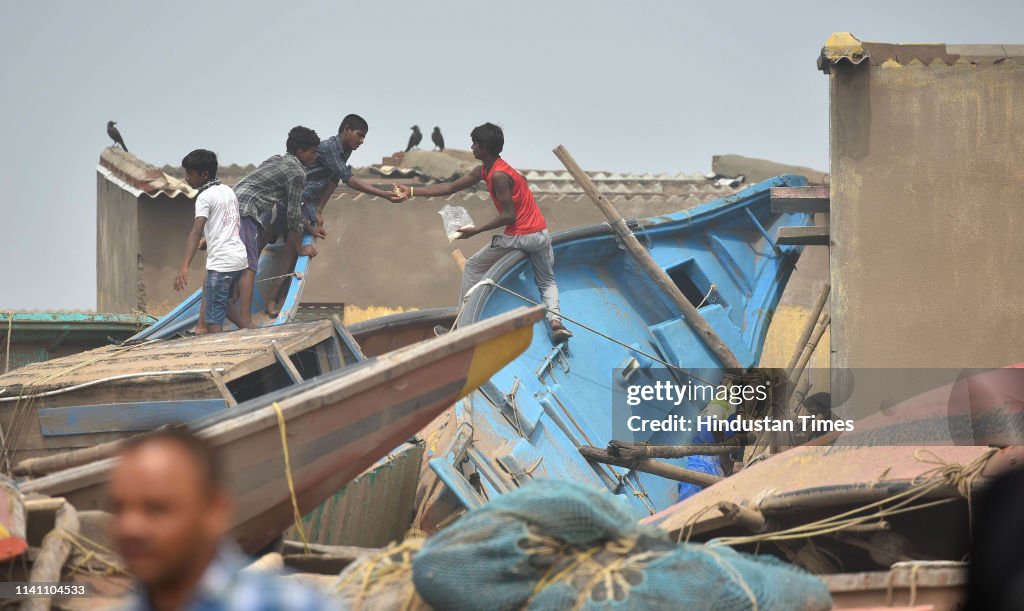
[[960, 476], [81, 543], [288, 475], [393, 563]]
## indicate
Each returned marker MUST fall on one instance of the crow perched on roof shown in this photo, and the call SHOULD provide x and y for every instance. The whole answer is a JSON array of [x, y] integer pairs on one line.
[[415, 138], [115, 135], [437, 138]]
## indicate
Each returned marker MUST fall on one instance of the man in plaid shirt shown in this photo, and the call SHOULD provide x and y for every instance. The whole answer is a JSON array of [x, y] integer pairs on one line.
[[280, 179], [331, 167]]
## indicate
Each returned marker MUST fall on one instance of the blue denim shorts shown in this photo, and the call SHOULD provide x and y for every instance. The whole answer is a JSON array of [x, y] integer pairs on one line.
[[216, 293]]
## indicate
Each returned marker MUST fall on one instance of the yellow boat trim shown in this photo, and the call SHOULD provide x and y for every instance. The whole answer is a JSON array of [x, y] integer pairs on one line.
[[490, 356]]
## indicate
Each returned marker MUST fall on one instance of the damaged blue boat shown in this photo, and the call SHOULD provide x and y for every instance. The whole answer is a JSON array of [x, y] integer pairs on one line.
[[275, 277], [532, 418]]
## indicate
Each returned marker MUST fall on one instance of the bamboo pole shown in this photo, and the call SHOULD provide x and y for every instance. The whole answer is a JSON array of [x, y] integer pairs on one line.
[[272, 562], [751, 519], [640, 451], [819, 331], [459, 258], [805, 335], [44, 465], [703, 330], [654, 467], [53, 553]]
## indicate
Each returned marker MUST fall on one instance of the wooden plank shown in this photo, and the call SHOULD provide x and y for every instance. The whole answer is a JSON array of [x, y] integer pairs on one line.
[[218, 379], [123, 417], [800, 199], [351, 351], [804, 236], [286, 362]]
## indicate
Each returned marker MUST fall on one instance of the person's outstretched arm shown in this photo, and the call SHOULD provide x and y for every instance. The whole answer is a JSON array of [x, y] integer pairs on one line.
[[361, 185], [444, 188], [191, 245]]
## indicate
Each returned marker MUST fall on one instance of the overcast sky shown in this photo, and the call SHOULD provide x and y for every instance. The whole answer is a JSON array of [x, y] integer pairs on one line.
[[627, 86]]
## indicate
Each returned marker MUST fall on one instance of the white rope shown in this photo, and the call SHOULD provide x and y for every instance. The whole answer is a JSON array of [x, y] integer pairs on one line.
[[654, 358]]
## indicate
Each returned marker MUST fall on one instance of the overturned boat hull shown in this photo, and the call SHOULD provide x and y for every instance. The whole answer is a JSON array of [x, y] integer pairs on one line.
[[533, 417]]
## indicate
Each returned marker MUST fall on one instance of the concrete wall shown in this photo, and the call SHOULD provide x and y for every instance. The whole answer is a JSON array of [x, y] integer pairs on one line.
[[139, 244], [927, 170], [379, 254], [164, 223], [117, 247]]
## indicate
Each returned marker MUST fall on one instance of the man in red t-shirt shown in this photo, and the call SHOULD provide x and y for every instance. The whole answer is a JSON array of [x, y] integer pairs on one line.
[[525, 227]]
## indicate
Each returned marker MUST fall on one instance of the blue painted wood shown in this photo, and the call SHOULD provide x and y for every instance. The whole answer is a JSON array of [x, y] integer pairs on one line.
[[726, 243], [183, 317], [123, 417]]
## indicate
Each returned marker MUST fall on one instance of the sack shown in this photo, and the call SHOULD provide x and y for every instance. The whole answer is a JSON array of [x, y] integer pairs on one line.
[[560, 545]]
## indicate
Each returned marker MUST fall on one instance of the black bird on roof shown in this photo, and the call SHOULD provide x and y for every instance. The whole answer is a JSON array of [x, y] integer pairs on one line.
[[115, 135], [415, 138], [437, 138]]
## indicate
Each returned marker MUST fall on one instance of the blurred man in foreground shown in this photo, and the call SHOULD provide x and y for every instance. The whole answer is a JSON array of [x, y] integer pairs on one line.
[[171, 519]]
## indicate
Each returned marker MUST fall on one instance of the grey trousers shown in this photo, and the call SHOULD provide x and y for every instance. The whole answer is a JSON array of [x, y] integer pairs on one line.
[[537, 247]]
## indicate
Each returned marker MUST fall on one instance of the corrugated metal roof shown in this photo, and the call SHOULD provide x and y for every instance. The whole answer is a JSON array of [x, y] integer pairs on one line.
[[845, 47], [138, 177], [544, 183], [697, 195]]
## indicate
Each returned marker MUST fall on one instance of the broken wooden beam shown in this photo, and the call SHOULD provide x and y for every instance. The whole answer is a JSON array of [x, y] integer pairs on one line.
[[285, 362], [816, 235], [751, 519], [639, 451], [812, 321], [800, 199], [53, 553], [643, 258], [654, 467]]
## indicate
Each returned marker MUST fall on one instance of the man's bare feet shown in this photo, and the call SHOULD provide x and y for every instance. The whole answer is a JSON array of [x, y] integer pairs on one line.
[[201, 330], [272, 309]]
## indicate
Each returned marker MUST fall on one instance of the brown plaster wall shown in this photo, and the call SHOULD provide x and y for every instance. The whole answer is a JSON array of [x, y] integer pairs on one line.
[[397, 255], [117, 277], [164, 224], [927, 218]]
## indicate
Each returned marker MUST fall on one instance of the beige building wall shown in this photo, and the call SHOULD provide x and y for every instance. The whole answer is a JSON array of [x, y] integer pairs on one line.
[[378, 254], [117, 247], [927, 218]]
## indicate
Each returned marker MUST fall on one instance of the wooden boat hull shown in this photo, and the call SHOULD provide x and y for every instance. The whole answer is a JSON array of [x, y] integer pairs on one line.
[[337, 425], [105, 394], [379, 335]]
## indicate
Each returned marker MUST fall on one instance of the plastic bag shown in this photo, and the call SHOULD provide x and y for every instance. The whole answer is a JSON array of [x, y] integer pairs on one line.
[[454, 218]]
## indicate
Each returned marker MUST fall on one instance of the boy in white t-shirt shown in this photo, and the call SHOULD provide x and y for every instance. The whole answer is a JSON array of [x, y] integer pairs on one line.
[[217, 220]]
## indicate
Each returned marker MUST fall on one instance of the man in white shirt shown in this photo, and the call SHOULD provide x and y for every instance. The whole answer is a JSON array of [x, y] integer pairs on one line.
[[217, 220]]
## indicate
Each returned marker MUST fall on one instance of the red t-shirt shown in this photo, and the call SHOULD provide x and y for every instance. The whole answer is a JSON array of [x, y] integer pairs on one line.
[[528, 216]]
